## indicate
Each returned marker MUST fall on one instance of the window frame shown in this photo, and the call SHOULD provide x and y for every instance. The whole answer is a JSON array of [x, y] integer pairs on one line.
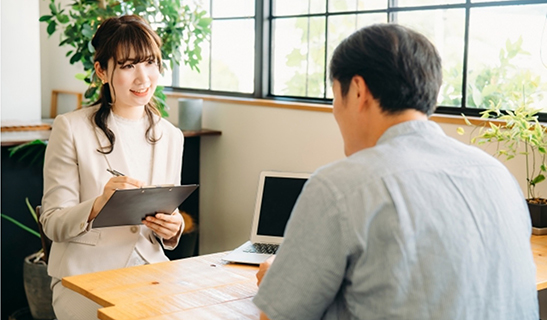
[[264, 20]]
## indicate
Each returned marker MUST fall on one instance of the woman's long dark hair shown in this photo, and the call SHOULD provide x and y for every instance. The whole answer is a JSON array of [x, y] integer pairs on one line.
[[115, 39]]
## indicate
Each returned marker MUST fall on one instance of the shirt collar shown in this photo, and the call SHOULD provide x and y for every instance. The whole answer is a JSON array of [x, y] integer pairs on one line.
[[408, 127]]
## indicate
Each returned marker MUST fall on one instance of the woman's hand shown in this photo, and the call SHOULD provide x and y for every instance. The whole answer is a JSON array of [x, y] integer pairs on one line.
[[166, 226], [115, 183]]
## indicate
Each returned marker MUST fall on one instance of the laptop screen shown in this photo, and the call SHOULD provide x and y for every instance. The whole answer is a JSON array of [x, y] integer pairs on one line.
[[278, 199]]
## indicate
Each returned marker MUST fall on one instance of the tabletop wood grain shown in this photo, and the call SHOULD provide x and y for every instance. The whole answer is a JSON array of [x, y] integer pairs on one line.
[[202, 287], [539, 250]]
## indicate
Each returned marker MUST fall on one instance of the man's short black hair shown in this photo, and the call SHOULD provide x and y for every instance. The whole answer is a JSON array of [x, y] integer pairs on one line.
[[401, 68]]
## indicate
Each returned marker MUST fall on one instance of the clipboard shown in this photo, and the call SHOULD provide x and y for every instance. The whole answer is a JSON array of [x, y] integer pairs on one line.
[[131, 206]]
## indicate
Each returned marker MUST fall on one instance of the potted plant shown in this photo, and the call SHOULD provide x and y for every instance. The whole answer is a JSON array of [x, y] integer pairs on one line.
[[518, 132], [35, 277], [181, 25]]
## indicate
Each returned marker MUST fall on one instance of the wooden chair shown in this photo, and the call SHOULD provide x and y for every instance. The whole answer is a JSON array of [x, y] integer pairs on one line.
[[54, 97], [46, 242]]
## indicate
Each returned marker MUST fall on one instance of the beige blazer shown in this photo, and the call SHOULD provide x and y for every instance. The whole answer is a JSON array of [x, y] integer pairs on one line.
[[75, 174]]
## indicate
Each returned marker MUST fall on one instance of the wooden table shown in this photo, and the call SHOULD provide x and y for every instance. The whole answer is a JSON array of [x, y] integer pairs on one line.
[[539, 249], [202, 287]]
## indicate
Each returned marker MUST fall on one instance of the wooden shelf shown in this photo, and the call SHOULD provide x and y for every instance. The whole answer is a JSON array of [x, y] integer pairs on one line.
[[16, 125], [202, 132], [14, 138]]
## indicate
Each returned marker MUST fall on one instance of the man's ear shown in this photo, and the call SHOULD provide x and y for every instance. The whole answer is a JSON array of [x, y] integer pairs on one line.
[[362, 94], [100, 72]]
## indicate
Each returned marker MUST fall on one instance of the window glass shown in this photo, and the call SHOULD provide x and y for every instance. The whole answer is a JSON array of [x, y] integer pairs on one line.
[[232, 54], [489, 0], [414, 3], [445, 29], [205, 5], [166, 78], [295, 7], [299, 57], [354, 5], [195, 79], [341, 26], [505, 64], [233, 8]]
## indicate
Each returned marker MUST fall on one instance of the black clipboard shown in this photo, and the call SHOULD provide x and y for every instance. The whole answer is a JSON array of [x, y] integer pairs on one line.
[[131, 206]]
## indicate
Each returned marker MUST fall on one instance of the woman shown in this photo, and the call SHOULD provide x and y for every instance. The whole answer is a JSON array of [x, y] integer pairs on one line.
[[122, 131]]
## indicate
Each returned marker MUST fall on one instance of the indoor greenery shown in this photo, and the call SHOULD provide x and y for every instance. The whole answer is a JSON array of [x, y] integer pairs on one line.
[[181, 24], [495, 83], [518, 133], [40, 254]]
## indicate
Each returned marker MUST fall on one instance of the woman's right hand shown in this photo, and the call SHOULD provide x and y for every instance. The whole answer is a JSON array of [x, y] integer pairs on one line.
[[115, 183]]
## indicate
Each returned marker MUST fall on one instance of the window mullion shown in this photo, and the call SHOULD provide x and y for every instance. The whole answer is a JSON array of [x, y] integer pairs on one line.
[[325, 68], [465, 55]]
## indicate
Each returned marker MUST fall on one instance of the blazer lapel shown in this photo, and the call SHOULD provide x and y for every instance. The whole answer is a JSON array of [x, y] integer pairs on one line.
[[159, 148]]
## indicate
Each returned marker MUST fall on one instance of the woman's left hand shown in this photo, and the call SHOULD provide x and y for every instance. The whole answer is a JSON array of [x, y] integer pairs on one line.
[[164, 225]]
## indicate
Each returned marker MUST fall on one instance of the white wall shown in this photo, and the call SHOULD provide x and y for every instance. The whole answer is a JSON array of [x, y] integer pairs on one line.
[[20, 63], [57, 72]]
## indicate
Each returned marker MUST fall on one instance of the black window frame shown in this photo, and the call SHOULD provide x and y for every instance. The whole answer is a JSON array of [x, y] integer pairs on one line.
[[263, 45]]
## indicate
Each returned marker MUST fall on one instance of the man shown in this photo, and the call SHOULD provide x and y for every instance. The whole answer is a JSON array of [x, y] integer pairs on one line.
[[412, 224]]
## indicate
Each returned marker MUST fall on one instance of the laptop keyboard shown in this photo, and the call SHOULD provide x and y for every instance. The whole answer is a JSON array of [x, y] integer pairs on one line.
[[265, 248]]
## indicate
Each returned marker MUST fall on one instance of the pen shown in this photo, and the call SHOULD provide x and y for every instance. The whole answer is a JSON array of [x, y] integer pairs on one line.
[[116, 173]]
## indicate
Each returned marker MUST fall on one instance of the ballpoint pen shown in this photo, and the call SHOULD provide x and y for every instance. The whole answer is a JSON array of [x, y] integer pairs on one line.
[[116, 173]]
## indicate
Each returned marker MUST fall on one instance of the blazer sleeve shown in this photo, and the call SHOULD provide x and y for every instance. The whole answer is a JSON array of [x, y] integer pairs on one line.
[[64, 216], [178, 145]]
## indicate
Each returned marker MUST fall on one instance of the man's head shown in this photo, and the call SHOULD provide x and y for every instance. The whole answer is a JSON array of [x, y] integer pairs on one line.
[[400, 67]]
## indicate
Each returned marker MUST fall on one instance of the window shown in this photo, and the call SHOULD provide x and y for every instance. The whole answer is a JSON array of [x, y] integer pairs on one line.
[[492, 51], [228, 59]]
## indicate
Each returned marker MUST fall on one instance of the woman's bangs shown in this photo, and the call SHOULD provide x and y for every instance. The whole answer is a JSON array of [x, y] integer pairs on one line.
[[137, 47]]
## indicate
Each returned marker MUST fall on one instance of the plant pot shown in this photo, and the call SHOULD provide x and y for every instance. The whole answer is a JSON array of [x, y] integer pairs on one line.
[[37, 288], [538, 214]]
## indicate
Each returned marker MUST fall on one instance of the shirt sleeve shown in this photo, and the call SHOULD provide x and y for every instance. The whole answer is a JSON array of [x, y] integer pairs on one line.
[[310, 265]]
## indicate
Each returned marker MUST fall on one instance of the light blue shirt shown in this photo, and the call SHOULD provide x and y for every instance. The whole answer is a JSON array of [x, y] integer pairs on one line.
[[420, 226]]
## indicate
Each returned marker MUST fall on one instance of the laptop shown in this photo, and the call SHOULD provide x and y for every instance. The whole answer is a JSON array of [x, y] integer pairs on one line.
[[276, 197]]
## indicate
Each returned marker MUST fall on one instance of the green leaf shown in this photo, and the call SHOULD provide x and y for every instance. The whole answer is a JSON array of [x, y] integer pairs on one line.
[[53, 8], [543, 168], [460, 131], [90, 47], [80, 76], [35, 149], [205, 22], [20, 225], [466, 120], [86, 31], [75, 58], [90, 92], [537, 179], [31, 209], [45, 18], [51, 27], [63, 18]]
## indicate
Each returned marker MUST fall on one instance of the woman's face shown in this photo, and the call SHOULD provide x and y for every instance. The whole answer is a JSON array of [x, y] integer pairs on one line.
[[132, 84]]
